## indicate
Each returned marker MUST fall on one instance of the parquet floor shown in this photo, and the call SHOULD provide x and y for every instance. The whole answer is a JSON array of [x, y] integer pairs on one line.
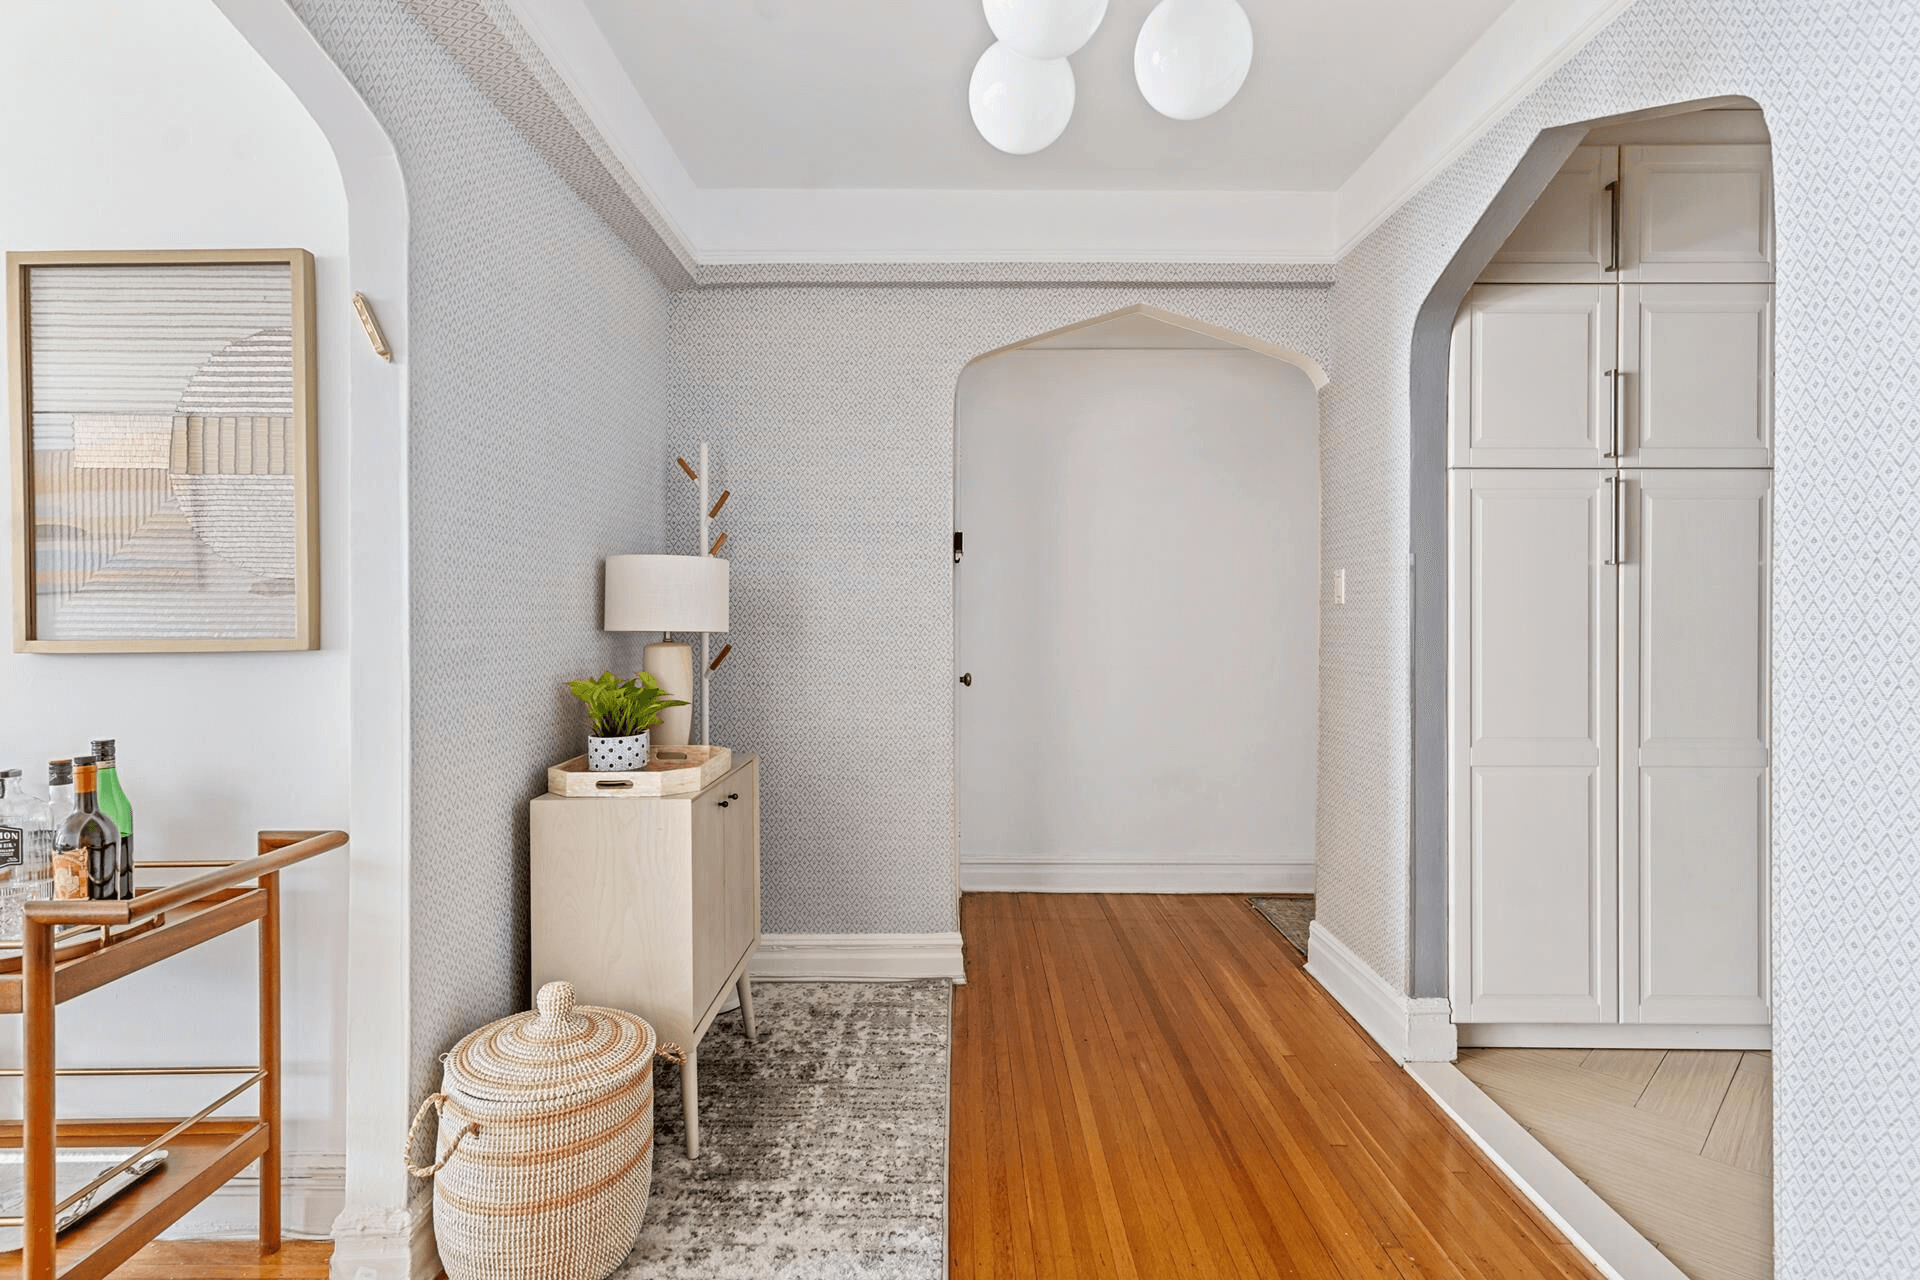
[[1679, 1143], [1152, 1086]]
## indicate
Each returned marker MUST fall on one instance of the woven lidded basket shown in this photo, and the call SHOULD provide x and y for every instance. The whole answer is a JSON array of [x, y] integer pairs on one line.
[[545, 1147]]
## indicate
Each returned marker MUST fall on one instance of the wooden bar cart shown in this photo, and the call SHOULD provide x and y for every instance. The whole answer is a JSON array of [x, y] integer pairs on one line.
[[70, 948]]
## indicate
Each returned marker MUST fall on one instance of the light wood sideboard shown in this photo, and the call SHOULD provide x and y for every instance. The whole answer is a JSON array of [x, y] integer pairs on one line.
[[652, 904]]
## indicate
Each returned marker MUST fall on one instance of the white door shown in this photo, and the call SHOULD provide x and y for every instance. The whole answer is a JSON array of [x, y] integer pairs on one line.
[[1696, 213], [1696, 371], [1567, 236], [1533, 716], [1694, 737], [1531, 384]]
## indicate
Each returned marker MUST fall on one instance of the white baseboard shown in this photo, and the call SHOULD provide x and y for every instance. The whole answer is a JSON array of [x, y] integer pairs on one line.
[[1408, 1028], [1087, 875], [858, 957], [385, 1244], [1611, 1035], [1620, 1252], [313, 1187]]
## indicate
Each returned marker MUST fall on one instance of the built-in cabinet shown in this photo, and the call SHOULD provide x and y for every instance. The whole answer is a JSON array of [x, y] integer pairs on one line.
[[1610, 526]]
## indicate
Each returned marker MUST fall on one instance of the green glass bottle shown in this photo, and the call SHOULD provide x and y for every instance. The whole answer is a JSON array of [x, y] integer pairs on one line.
[[114, 803]]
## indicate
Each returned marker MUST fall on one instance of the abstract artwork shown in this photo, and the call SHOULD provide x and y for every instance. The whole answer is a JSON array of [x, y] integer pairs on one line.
[[163, 450]]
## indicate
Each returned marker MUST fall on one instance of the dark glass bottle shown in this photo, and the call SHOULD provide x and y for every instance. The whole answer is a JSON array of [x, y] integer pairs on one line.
[[114, 803], [88, 838]]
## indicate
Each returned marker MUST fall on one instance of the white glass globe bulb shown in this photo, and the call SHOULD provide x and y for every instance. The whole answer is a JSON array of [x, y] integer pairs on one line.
[[1193, 56], [1044, 28], [1020, 104]]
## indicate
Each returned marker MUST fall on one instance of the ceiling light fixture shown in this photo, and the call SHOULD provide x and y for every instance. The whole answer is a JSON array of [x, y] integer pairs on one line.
[[1045, 28], [1020, 104], [1192, 56]]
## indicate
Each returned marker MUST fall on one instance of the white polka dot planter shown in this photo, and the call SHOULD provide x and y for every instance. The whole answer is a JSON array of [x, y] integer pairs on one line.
[[617, 755]]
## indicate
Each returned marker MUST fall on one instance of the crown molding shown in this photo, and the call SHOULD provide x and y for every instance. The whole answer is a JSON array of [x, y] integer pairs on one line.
[[1524, 46], [741, 235]]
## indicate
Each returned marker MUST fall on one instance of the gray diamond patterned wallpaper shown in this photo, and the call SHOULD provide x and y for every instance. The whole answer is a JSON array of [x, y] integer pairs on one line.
[[830, 410], [1840, 84], [829, 405], [537, 429]]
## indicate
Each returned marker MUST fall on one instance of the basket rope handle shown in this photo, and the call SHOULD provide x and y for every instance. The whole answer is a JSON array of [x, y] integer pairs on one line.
[[435, 1102], [671, 1054]]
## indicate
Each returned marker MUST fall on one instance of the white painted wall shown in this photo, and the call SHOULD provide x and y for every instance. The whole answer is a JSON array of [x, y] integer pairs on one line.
[[1138, 607], [137, 125]]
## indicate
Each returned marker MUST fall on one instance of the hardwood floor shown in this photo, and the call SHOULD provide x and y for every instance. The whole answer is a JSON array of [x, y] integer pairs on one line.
[[1152, 1086], [1679, 1143], [228, 1260]]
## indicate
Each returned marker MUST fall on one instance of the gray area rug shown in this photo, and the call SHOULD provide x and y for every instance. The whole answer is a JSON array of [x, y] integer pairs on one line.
[[823, 1145], [1291, 915]]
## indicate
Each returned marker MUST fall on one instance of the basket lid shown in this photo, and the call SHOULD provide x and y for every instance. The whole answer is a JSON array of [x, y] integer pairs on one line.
[[562, 1052]]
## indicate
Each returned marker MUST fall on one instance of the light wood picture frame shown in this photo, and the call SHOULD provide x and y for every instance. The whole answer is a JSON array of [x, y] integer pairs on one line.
[[164, 451]]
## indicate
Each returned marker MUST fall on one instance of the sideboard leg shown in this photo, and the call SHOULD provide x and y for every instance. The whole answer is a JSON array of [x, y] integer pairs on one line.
[[745, 988], [690, 1097]]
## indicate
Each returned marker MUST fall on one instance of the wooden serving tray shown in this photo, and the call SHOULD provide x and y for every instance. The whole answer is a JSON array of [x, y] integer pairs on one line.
[[670, 771]]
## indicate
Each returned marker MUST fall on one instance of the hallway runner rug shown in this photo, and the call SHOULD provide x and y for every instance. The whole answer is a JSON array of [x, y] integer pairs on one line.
[[823, 1145], [1291, 915]]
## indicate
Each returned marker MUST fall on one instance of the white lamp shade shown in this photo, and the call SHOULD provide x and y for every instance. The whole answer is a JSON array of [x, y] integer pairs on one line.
[[666, 593], [1192, 56], [1020, 104], [1044, 28]]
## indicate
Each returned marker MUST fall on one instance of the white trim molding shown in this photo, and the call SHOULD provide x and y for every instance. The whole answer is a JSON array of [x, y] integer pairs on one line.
[[1590, 1223], [1612, 1035], [731, 226], [858, 957], [1124, 875], [1409, 1029]]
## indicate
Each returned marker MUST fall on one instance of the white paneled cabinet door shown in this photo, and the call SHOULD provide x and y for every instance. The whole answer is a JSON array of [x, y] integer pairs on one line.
[[1533, 717], [1696, 375], [1696, 213], [1530, 376], [1695, 738], [1567, 236]]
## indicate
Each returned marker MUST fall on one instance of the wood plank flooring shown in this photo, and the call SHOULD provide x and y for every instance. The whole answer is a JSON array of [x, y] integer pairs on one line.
[[1680, 1143], [1152, 1086], [228, 1260]]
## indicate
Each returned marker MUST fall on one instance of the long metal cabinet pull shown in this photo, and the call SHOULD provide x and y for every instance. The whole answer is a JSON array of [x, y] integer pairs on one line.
[[1613, 225], [1613, 413], [1613, 521], [1620, 521]]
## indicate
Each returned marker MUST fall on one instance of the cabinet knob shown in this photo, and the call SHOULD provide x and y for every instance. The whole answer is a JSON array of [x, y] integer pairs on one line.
[[723, 804], [733, 795], [967, 679]]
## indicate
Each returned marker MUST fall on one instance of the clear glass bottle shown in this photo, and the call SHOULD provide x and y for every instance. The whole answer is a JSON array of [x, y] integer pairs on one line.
[[114, 803], [86, 849], [26, 851], [60, 790]]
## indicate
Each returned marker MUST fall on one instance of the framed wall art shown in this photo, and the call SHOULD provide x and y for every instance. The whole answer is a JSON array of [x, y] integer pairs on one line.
[[164, 452]]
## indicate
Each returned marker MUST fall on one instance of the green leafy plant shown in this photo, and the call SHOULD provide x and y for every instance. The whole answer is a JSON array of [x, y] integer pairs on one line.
[[621, 708]]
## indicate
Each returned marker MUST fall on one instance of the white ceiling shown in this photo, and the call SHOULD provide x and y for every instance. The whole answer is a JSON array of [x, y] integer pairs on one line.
[[872, 93], [836, 131]]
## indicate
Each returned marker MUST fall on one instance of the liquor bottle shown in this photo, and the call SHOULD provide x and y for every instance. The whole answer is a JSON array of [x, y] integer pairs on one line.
[[60, 800], [26, 850], [114, 803], [86, 849]]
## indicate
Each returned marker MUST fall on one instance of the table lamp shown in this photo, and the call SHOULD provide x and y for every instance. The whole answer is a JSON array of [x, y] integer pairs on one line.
[[668, 594]]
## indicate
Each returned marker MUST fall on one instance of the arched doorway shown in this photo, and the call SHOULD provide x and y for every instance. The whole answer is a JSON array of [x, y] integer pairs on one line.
[[1136, 610]]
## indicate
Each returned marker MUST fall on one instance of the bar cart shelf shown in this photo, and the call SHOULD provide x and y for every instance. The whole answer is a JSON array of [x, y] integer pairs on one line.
[[70, 948]]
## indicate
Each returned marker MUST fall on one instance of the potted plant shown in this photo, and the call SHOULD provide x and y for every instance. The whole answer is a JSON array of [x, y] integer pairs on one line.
[[620, 712]]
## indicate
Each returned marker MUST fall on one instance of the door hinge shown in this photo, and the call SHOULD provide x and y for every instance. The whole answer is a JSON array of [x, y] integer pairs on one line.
[[956, 546]]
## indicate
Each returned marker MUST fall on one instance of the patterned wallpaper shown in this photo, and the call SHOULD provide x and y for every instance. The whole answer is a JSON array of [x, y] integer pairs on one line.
[[537, 422], [830, 410], [1840, 85]]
